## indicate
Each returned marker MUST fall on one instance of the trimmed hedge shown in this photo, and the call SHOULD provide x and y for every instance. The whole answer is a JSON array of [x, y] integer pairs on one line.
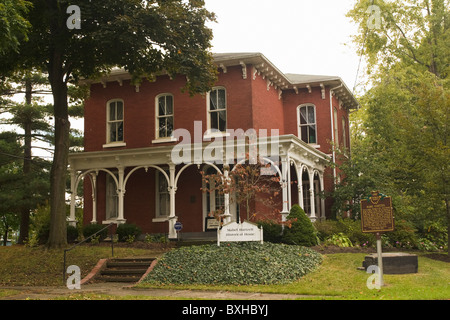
[[235, 263]]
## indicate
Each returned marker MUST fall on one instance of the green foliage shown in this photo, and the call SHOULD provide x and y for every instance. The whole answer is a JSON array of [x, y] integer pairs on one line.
[[235, 263], [300, 230], [72, 234], [340, 240], [90, 229], [128, 232], [272, 230]]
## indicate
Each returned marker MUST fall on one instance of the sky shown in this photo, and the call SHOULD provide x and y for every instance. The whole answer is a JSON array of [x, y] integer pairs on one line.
[[297, 36]]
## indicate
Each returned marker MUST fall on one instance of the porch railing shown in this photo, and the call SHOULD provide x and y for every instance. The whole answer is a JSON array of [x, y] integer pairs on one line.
[[91, 236]]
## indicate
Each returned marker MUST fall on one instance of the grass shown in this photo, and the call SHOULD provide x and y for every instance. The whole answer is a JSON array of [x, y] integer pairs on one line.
[[336, 278], [38, 266]]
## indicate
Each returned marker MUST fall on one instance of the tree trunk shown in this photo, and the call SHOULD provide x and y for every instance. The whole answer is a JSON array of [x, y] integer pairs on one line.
[[25, 210], [58, 229]]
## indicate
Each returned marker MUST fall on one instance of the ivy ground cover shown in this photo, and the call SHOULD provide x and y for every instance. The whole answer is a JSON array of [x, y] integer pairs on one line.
[[235, 263]]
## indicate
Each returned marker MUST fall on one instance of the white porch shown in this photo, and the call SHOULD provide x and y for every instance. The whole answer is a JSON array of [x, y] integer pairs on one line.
[[288, 152]]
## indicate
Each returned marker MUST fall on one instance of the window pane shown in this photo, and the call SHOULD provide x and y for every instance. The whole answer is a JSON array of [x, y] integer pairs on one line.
[[161, 106], [312, 134], [311, 114], [221, 104], [119, 131], [222, 120], [213, 100], [112, 111], [162, 127], [303, 116], [214, 120], [119, 110], [169, 105], [304, 131], [112, 132], [169, 126]]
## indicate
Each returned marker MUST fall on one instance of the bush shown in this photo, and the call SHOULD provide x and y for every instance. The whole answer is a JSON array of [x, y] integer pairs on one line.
[[72, 234], [90, 229], [272, 231], [301, 230], [403, 236], [128, 232]]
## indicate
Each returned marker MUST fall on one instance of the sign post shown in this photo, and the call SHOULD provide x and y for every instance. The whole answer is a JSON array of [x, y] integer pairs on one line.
[[377, 217], [178, 226]]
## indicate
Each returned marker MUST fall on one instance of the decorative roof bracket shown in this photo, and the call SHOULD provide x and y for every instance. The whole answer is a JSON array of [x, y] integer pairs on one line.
[[244, 70]]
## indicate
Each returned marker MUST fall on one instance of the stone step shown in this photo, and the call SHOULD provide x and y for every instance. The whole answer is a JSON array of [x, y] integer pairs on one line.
[[125, 269]]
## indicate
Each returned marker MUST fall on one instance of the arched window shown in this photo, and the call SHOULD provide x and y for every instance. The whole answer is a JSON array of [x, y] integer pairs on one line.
[[164, 116], [115, 116], [217, 109], [307, 129]]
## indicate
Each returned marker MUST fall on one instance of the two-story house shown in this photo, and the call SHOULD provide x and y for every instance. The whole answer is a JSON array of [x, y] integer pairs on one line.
[[146, 144]]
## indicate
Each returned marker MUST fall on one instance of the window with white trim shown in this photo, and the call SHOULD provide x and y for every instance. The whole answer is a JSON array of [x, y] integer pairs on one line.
[[307, 123], [164, 116], [115, 121], [112, 199], [162, 195], [217, 109]]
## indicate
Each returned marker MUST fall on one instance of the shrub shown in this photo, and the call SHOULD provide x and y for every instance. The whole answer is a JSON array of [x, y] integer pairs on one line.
[[272, 231], [340, 240], [404, 235], [90, 229], [72, 234], [301, 230], [128, 232]]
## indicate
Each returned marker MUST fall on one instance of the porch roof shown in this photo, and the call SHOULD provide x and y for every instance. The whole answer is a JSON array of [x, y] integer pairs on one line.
[[289, 145]]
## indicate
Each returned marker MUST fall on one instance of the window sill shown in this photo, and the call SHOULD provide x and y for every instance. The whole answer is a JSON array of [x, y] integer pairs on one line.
[[114, 145], [165, 140], [160, 219]]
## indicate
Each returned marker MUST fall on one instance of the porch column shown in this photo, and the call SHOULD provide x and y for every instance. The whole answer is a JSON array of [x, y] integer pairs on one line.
[[301, 203], [94, 197], [172, 190], [284, 187], [73, 183], [322, 200], [226, 196], [311, 195], [120, 192]]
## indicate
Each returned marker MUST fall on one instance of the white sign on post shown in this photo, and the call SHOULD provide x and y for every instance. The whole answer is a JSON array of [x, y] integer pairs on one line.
[[245, 231]]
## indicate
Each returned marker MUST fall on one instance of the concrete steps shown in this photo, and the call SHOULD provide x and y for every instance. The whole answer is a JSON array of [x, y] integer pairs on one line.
[[124, 269]]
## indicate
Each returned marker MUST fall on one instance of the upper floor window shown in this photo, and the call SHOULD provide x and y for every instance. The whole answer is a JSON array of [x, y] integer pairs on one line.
[[164, 116], [336, 128], [307, 123], [115, 121], [344, 133], [217, 109]]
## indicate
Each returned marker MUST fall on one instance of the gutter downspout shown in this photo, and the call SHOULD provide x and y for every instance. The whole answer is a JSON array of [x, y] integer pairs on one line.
[[332, 128]]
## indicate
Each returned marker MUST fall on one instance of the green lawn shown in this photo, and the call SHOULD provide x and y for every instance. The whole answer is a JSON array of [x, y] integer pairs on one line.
[[336, 278]]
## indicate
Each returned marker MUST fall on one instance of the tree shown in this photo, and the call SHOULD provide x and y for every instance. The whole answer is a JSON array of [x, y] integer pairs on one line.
[[144, 38], [246, 185], [402, 146], [13, 24]]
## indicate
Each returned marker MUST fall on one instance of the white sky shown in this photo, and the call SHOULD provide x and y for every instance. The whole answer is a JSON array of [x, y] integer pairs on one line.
[[297, 36]]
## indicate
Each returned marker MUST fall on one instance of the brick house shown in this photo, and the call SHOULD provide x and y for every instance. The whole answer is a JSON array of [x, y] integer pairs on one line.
[[131, 132]]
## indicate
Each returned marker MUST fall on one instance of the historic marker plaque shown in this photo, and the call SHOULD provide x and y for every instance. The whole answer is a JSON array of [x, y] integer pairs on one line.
[[376, 213]]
